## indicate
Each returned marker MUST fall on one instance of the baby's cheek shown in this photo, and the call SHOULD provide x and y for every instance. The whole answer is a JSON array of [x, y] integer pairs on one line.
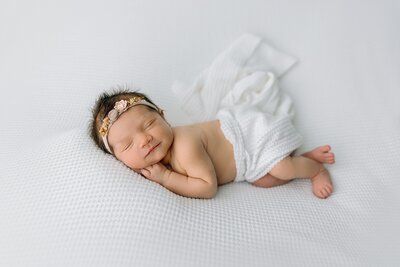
[[133, 164]]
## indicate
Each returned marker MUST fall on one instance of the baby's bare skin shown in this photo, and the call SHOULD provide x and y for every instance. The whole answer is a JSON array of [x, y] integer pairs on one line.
[[220, 151], [321, 183], [193, 160]]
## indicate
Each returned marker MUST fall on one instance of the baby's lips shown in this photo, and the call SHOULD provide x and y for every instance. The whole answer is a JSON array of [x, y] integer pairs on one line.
[[152, 148]]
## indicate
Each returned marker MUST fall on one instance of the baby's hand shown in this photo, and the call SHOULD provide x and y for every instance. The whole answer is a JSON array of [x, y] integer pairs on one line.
[[156, 172]]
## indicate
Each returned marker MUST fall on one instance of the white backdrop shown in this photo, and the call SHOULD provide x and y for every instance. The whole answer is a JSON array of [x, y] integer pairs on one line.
[[57, 56]]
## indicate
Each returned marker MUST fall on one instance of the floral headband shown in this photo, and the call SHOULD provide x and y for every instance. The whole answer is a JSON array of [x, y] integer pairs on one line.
[[119, 108]]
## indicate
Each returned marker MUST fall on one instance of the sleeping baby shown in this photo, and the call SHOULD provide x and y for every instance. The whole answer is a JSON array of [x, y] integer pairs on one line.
[[241, 144]]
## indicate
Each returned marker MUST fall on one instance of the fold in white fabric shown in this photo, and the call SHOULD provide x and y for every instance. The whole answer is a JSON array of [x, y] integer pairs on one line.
[[240, 89], [244, 74]]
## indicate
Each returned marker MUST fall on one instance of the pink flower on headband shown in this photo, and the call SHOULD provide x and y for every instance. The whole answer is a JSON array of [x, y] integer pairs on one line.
[[119, 108], [120, 105]]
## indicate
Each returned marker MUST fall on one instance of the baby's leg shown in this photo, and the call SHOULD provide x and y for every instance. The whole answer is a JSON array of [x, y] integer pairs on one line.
[[268, 181], [295, 167], [302, 167], [321, 154]]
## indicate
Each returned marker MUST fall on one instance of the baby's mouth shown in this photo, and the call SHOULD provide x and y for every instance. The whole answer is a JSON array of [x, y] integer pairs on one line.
[[152, 149]]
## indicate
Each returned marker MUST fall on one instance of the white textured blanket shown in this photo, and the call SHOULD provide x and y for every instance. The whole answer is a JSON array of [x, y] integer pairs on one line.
[[244, 74], [65, 203]]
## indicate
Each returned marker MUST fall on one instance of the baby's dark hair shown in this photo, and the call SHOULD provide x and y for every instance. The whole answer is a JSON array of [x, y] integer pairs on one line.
[[104, 103]]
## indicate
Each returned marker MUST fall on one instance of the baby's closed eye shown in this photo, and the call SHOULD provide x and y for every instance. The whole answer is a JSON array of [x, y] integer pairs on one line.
[[127, 147], [149, 123]]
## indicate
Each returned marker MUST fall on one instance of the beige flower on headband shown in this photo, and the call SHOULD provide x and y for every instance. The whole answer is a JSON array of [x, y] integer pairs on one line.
[[113, 114], [120, 105], [119, 108]]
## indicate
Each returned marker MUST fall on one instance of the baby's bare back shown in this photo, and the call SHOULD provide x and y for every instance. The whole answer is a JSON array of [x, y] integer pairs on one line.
[[219, 149]]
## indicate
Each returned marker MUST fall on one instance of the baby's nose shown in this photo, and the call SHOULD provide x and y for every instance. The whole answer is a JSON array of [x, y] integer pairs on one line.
[[146, 139]]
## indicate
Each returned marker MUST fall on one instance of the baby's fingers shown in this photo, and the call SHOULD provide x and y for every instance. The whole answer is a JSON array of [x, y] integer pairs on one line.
[[148, 175], [145, 172]]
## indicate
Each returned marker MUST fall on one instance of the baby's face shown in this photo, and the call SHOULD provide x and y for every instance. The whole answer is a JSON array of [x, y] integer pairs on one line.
[[140, 137]]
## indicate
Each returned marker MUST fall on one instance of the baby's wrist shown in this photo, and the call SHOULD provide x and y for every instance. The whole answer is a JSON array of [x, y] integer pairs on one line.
[[166, 175]]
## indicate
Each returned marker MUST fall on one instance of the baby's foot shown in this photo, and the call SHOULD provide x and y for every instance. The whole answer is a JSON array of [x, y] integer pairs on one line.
[[321, 184], [321, 154]]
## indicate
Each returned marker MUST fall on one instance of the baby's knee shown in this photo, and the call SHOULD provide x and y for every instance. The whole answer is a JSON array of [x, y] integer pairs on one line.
[[285, 169]]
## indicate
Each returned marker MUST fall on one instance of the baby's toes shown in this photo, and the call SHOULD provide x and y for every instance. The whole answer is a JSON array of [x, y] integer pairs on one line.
[[321, 193], [328, 190], [329, 158], [330, 187], [325, 148]]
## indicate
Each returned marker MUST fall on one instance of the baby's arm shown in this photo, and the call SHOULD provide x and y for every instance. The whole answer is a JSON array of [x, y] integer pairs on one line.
[[201, 179]]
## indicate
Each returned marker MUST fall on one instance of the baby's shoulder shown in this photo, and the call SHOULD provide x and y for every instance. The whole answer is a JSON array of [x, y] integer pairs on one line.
[[187, 143], [185, 136]]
